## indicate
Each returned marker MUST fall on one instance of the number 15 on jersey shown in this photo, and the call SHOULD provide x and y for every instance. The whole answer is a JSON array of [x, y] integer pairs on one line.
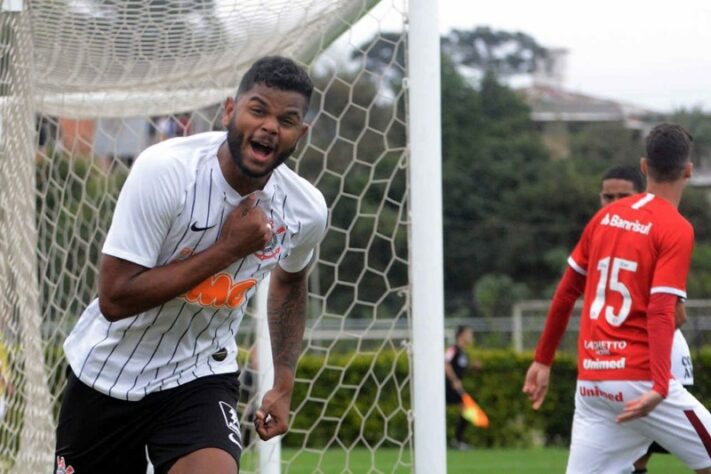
[[610, 269]]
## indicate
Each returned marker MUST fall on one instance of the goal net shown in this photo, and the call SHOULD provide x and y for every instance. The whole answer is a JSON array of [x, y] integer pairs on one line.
[[86, 85]]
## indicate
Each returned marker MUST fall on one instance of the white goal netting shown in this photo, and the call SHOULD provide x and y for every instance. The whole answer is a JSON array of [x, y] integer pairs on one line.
[[85, 85]]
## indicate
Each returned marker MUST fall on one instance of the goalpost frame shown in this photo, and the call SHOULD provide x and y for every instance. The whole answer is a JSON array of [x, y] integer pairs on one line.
[[269, 451], [425, 238], [425, 246], [426, 251]]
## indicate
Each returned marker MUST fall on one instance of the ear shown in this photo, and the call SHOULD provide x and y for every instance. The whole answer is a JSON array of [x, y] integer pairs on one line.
[[643, 165], [229, 110], [688, 169], [304, 129]]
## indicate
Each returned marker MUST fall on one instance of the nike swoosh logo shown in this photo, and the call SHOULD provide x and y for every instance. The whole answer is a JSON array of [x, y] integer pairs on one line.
[[194, 227]]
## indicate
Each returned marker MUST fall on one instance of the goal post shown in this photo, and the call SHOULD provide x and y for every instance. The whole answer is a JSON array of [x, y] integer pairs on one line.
[[24, 392], [269, 452], [86, 86], [426, 246]]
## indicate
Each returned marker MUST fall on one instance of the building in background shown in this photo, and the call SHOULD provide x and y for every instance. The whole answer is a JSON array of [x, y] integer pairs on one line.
[[558, 112]]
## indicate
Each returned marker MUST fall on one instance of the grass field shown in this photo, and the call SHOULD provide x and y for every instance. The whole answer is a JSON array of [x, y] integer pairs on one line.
[[478, 461]]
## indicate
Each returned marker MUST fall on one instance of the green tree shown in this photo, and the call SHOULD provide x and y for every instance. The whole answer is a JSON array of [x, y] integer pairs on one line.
[[355, 156], [698, 123], [490, 155], [496, 294], [501, 52], [596, 147], [509, 210]]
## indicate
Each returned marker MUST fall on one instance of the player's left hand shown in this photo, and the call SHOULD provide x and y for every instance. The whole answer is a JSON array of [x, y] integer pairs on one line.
[[640, 407], [536, 383], [272, 418]]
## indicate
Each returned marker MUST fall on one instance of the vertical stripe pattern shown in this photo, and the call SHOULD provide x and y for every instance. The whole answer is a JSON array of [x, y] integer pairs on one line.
[[174, 343]]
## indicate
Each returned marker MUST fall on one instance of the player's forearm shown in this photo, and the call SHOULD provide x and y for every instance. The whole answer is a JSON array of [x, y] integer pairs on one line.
[[127, 289], [449, 372], [569, 289], [660, 328], [287, 319]]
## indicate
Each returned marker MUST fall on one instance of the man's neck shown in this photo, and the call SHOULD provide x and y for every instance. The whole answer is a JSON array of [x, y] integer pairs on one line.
[[670, 192], [241, 183]]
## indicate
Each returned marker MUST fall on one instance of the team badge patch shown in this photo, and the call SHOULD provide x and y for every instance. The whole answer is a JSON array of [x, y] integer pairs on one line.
[[230, 415], [272, 249], [62, 467]]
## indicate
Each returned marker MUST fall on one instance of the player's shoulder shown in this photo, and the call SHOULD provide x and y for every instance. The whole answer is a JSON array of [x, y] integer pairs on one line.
[[450, 353], [668, 217], [301, 194], [644, 207], [178, 154], [662, 217]]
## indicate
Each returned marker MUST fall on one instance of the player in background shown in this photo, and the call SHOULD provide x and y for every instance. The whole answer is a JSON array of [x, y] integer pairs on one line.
[[630, 264], [199, 222], [456, 362], [620, 182]]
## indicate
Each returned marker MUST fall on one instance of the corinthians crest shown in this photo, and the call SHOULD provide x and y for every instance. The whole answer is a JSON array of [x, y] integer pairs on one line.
[[273, 247]]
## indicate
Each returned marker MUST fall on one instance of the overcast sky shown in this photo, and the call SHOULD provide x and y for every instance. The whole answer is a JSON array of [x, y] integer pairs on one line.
[[651, 53]]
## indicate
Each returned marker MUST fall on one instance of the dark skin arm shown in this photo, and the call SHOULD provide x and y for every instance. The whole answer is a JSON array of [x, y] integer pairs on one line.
[[680, 315], [127, 289], [286, 309]]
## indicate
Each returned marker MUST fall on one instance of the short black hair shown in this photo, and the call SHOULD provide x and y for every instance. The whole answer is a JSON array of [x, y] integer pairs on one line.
[[460, 330], [668, 148], [626, 173], [278, 72]]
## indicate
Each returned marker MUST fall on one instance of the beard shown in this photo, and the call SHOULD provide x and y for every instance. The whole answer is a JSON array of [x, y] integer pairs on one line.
[[235, 140]]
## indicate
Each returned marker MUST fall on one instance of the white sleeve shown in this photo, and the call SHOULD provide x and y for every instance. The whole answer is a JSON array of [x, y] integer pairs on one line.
[[148, 202], [308, 238]]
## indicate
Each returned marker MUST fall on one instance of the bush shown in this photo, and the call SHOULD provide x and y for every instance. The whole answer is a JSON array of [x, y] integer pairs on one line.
[[354, 399], [351, 399], [497, 386]]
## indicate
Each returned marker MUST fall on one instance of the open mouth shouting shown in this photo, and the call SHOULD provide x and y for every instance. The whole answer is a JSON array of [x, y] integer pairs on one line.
[[262, 150]]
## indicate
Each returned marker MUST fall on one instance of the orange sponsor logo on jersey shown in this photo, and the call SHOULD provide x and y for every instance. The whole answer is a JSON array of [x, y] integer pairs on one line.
[[220, 291]]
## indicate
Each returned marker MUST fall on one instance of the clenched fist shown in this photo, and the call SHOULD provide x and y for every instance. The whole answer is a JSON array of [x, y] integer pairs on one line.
[[246, 230]]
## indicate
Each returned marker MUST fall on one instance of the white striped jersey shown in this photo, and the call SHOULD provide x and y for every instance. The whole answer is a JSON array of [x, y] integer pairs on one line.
[[172, 205]]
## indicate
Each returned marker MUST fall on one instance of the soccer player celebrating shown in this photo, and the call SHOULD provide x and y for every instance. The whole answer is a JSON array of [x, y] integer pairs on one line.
[[199, 222], [631, 264]]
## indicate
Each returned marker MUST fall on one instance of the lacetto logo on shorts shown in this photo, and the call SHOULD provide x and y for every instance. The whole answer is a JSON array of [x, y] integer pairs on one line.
[[596, 392], [604, 347], [594, 364]]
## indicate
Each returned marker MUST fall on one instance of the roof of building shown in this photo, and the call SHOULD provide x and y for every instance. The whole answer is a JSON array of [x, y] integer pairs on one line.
[[554, 104]]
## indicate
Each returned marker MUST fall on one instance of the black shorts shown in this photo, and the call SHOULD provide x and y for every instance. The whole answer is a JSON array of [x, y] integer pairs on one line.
[[452, 397], [656, 448], [98, 434]]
